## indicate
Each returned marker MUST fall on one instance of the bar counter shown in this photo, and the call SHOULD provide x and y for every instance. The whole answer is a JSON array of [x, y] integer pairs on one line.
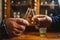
[[35, 36]]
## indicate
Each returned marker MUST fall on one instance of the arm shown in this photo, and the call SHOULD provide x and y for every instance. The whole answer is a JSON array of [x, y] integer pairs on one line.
[[50, 22], [55, 20], [55, 23]]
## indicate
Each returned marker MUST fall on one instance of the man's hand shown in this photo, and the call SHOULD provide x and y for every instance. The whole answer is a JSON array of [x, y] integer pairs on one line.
[[42, 20], [14, 26]]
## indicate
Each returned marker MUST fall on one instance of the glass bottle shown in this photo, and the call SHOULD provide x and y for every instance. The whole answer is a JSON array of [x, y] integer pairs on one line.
[[18, 15], [14, 15], [46, 12], [52, 4]]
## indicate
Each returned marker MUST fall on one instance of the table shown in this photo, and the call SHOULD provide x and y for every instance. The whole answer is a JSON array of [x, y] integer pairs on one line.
[[35, 36]]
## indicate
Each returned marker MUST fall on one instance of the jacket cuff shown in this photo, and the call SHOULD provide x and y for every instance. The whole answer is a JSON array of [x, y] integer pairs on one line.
[[55, 20], [3, 33]]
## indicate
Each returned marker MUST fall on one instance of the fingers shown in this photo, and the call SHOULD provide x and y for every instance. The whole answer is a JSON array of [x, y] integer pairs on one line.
[[38, 16], [41, 19], [17, 32], [17, 26], [22, 21], [14, 29], [21, 27], [11, 19], [19, 21]]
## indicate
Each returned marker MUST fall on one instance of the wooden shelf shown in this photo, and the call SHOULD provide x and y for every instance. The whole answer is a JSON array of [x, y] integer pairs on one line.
[[19, 5], [49, 5]]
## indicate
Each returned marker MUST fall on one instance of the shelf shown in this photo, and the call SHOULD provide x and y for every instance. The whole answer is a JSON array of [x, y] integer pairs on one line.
[[49, 5], [19, 5]]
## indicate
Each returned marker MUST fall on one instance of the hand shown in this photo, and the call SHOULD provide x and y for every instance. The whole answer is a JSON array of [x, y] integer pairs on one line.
[[42, 20], [14, 26]]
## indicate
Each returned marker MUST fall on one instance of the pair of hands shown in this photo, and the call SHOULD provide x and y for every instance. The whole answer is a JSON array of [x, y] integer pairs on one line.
[[14, 26]]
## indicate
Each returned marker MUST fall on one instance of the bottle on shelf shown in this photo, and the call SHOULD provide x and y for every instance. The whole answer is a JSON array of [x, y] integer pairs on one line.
[[14, 15], [46, 2], [53, 2], [12, 1], [18, 14], [52, 6], [24, 2], [46, 12], [42, 3]]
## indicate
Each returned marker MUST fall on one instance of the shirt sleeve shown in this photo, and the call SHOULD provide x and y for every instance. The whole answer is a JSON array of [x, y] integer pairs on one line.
[[3, 33], [55, 23], [55, 20]]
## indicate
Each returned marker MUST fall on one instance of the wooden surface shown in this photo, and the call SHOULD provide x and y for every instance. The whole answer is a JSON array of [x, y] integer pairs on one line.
[[35, 36]]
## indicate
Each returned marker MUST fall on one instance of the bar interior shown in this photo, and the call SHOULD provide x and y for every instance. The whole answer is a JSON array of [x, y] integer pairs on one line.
[[27, 9]]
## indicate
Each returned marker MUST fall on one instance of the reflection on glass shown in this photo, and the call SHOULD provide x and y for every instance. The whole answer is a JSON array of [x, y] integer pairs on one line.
[[29, 14]]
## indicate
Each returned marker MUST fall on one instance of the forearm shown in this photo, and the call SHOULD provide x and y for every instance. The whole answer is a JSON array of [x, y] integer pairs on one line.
[[55, 20]]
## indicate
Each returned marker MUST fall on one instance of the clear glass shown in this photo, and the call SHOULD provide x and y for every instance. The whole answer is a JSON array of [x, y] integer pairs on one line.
[[42, 32]]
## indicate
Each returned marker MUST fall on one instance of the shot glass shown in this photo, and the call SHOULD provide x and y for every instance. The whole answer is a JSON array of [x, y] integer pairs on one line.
[[42, 32]]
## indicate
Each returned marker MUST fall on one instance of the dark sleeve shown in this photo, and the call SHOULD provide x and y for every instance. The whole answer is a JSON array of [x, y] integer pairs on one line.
[[55, 23], [3, 33], [55, 20]]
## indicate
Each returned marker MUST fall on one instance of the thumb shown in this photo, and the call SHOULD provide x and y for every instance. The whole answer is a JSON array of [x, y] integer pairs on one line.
[[22, 22]]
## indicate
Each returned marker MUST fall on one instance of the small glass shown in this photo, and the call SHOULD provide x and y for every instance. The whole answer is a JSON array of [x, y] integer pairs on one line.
[[42, 32]]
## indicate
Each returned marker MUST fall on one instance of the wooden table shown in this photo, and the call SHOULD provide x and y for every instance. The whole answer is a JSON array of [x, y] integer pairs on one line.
[[35, 36]]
